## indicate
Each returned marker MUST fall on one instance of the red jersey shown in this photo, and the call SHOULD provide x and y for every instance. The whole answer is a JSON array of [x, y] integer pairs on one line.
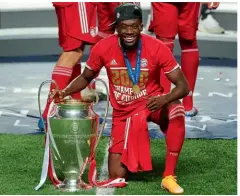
[[155, 55]]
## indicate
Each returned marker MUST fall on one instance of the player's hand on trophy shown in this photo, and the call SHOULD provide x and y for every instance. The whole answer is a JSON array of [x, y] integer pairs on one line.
[[156, 102], [57, 95]]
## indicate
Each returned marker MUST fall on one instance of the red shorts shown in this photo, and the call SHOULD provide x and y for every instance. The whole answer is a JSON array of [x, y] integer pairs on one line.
[[76, 24], [170, 19], [118, 131], [105, 11]]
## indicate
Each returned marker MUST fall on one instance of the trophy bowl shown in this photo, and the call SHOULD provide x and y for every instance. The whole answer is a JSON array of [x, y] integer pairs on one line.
[[74, 127]]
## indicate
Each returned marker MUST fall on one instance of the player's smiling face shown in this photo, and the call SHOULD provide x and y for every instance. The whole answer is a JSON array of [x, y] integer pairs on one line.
[[129, 33]]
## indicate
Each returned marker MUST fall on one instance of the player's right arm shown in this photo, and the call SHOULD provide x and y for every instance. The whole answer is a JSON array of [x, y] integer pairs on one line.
[[81, 82]]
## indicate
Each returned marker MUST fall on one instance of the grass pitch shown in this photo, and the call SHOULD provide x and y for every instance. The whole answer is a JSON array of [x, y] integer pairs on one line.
[[205, 167]]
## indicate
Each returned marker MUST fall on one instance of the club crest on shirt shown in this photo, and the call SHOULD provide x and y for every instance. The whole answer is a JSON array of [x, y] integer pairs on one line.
[[144, 62]]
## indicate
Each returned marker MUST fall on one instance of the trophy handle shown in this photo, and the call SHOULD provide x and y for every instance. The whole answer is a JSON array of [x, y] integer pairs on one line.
[[94, 91], [106, 109], [39, 104]]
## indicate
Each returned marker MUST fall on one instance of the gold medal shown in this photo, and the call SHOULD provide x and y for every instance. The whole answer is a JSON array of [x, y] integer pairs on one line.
[[136, 89]]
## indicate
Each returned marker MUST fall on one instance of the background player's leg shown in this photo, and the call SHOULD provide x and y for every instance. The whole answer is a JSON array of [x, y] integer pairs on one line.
[[105, 15], [189, 62], [72, 37], [75, 73], [164, 24], [62, 72], [169, 42], [188, 25], [165, 83]]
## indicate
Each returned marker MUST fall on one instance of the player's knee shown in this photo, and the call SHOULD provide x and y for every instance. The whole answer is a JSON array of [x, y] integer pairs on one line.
[[115, 167], [165, 40], [174, 103], [188, 43], [70, 58], [77, 52], [118, 175], [176, 116], [168, 112], [121, 172]]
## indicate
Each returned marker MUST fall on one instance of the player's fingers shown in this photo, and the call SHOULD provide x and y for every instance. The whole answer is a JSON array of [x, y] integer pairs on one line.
[[152, 105], [153, 108], [149, 101], [52, 93], [56, 100]]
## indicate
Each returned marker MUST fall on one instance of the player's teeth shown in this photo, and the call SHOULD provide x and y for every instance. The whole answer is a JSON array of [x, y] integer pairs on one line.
[[130, 39]]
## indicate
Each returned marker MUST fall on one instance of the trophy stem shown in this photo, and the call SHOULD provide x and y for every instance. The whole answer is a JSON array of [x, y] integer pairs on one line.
[[69, 185]]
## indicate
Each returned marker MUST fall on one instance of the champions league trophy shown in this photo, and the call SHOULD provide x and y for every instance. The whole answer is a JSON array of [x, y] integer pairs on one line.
[[71, 140]]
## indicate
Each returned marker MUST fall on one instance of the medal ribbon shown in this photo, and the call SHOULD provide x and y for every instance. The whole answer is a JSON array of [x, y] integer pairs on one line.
[[134, 75]]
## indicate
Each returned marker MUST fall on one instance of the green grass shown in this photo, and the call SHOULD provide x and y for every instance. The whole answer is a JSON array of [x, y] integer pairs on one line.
[[21, 159], [205, 167]]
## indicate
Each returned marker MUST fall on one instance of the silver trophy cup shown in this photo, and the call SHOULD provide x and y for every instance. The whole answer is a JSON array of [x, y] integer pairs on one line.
[[74, 133]]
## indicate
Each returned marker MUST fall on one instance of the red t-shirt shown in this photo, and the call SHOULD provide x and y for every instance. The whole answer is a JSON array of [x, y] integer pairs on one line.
[[155, 55]]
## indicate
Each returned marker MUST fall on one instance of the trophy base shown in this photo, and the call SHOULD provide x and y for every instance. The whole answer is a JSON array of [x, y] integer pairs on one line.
[[69, 186]]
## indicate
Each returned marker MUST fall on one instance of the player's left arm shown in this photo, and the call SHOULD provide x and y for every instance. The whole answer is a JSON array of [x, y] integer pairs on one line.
[[181, 88], [174, 73]]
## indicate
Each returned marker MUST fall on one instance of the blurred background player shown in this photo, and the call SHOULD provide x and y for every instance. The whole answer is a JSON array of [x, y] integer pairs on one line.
[[169, 20], [208, 23], [76, 28]]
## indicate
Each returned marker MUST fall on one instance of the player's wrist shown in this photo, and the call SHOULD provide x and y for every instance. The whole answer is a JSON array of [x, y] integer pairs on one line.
[[64, 93], [168, 98]]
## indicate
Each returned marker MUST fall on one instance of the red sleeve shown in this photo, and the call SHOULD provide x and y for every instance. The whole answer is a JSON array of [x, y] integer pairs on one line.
[[95, 61], [165, 59]]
